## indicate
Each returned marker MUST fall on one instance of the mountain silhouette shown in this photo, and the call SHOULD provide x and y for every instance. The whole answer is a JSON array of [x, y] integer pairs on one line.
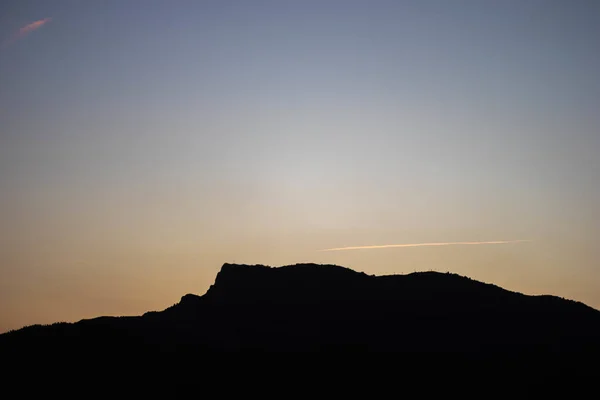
[[309, 307]]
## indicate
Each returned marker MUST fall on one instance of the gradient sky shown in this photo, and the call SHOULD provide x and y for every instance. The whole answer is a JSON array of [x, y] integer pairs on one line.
[[145, 143]]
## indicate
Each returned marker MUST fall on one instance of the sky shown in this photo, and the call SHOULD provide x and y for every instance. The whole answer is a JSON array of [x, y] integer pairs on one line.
[[145, 143]]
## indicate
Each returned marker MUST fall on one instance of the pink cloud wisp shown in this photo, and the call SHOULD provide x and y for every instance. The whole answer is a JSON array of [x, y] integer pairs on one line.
[[25, 30], [385, 246], [33, 26]]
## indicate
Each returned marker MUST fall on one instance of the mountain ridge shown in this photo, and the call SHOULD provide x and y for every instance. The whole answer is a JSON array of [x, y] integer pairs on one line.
[[315, 307]]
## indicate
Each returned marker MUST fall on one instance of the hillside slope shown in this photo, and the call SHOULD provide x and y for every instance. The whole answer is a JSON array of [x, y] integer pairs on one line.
[[313, 307]]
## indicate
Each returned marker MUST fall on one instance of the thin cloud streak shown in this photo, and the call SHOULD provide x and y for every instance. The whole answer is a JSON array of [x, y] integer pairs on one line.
[[24, 31], [386, 246]]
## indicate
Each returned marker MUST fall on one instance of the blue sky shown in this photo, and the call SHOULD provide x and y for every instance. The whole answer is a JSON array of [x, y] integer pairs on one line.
[[204, 132]]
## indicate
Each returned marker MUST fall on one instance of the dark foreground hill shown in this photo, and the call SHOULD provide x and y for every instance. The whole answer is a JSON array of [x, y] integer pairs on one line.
[[330, 308]]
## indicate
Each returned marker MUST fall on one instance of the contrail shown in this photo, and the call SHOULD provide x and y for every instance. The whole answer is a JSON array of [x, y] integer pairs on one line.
[[24, 31], [385, 246]]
